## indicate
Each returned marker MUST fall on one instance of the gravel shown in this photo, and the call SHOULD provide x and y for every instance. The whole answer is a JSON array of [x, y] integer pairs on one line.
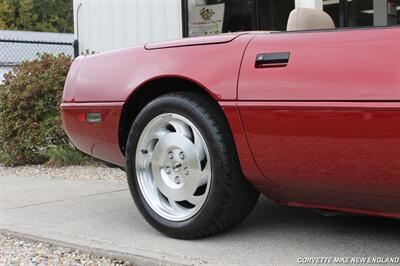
[[78, 173], [14, 251]]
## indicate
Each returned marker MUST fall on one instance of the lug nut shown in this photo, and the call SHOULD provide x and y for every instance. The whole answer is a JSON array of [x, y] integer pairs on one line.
[[168, 170], [171, 155], [177, 180], [182, 155], [186, 171]]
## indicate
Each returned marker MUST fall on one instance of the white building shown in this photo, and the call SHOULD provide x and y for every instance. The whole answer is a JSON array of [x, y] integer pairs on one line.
[[102, 25]]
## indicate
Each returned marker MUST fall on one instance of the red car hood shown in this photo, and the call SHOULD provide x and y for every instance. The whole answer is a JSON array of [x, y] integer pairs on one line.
[[215, 39]]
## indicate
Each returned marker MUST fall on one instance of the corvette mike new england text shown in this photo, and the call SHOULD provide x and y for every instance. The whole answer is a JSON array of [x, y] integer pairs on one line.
[[349, 260]]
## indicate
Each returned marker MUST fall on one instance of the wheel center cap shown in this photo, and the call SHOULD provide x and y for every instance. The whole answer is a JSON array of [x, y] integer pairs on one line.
[[177, 166], [171, 181]]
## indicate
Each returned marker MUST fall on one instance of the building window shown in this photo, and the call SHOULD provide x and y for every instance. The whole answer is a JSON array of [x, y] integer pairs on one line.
[[239, 15], [274, 14], [333, 8], [361, 12], [206, 17], [364, 13]]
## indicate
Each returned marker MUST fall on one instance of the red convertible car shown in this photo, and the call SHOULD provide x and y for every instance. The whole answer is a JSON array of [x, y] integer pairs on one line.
[[308, 117]]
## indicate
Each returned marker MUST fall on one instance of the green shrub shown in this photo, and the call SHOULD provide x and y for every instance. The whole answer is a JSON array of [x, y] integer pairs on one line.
[[30, 124], [64, 156]]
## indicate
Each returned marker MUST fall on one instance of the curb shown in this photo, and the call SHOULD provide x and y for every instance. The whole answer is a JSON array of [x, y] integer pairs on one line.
[[127, 257]]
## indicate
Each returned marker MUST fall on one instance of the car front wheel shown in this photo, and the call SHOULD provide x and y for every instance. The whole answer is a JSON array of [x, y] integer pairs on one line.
[[182, 168]]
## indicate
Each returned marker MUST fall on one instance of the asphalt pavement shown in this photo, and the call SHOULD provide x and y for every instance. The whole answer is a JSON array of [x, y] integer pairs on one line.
[[101, 217]]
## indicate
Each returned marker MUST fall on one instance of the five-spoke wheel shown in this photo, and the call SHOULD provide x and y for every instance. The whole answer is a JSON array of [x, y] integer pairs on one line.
[[173, 167]]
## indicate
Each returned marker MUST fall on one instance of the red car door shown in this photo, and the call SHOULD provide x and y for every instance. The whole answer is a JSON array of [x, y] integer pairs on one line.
[[321, 109]]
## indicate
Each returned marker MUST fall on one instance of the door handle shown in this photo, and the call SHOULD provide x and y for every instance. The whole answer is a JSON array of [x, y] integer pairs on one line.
[[273, 59]]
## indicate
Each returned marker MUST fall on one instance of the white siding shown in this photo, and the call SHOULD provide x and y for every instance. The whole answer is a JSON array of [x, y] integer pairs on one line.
[[102, 25], [310, 3]]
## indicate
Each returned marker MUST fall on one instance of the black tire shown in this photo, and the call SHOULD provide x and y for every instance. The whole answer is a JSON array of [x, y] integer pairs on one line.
[[231, 198]]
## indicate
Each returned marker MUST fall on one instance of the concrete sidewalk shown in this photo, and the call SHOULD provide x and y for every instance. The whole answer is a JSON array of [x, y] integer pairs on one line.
[[101, 216]]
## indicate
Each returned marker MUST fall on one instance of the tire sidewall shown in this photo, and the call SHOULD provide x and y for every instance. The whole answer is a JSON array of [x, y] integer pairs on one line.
[[211, 208]]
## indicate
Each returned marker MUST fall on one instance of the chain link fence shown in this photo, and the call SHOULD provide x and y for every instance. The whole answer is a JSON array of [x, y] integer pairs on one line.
[[14, 52], [17, 47]]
